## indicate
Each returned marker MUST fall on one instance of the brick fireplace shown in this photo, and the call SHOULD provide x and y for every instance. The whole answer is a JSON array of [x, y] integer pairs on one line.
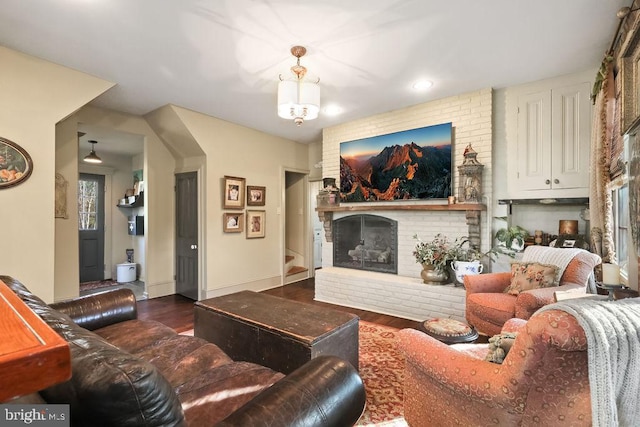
[[402, 294]]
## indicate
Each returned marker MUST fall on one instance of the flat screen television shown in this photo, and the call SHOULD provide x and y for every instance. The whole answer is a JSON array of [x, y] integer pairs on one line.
[[407, 165]]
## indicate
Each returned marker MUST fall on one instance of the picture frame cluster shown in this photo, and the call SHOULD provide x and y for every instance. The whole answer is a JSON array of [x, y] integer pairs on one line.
[[235, 194]]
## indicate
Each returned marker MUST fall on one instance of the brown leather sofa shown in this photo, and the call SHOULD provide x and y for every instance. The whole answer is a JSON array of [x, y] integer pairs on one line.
[[131, 372]]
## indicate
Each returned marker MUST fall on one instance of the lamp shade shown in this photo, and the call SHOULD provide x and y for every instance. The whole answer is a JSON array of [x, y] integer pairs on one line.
[[92, 157], [298, 99]]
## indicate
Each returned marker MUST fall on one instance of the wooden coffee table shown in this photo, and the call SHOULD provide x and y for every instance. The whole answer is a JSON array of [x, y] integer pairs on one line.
[[275, 332]]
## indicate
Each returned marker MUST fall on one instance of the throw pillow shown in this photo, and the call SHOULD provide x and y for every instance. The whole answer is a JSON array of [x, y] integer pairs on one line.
[[499, 346], [530, 275]]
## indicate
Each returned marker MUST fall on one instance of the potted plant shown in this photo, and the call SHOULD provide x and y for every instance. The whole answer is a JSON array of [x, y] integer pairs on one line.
[[441, 256], [434, 256], [468, 259], [512, 237]]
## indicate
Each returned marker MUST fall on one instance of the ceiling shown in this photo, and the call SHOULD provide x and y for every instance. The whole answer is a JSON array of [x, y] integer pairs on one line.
[[223, 57]]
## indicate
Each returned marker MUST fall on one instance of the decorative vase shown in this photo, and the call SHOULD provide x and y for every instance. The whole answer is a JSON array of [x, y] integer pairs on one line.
[[432, 276], [463, 268]]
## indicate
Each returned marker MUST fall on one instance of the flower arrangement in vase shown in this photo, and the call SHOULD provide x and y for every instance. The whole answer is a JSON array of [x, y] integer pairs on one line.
[[435, 256]]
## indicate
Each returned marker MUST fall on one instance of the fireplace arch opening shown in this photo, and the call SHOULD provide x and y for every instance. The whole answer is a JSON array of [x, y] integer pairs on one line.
[[366, 242]]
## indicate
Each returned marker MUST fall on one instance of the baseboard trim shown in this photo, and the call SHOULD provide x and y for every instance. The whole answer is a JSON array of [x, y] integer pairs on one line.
[[162, 289], [257, 286]]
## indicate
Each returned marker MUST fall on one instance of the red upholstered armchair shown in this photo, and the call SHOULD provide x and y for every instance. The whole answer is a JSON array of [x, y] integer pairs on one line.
[[488, 307], [543, 380]]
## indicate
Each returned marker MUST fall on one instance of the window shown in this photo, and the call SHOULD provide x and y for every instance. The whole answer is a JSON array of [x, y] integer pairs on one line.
[[620, 199], [621, 226], [87, 204]]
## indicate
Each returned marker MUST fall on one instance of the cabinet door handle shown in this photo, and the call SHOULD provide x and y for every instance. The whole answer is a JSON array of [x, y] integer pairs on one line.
[[547, 181], [556, 181]]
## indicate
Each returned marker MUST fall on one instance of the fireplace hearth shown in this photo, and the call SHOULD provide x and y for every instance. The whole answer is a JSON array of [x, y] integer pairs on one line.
[[366, 242]]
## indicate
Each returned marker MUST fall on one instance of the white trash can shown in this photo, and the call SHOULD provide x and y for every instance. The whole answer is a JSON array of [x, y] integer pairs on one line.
[[126, 272]]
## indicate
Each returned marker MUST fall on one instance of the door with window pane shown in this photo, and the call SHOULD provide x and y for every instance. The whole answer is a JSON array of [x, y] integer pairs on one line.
[[91, 227]]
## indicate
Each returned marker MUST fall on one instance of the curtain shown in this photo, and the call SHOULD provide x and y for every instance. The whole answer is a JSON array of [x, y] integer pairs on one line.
[[634, 192], [600, 203]]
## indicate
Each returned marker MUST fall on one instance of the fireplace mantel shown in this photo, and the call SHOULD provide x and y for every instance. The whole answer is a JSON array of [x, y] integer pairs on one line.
[[394, 207], [472, 211]]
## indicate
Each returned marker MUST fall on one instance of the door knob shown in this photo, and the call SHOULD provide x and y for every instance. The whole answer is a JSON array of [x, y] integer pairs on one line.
[[547, 181], [194, 246], [556, 181]]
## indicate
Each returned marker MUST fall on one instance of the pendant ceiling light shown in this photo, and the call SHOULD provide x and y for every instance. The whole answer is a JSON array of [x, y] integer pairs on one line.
[[298, 99], [92, 157]]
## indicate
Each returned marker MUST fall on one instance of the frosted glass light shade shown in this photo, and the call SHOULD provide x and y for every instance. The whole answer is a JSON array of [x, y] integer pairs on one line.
[[295, 96]]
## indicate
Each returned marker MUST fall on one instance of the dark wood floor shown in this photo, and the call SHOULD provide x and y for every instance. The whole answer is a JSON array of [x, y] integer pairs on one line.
[[176, 311]]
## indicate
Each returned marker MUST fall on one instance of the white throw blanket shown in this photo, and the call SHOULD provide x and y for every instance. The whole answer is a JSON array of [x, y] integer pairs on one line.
[[559, 257], [612, 329]]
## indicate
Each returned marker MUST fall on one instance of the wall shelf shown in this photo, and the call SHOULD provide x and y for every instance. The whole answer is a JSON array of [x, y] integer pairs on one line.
[[139, 202], [567, 201], [551, 202]]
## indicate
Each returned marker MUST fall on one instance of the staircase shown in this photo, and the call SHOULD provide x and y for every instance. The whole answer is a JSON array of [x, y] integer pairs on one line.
[[294, 272]]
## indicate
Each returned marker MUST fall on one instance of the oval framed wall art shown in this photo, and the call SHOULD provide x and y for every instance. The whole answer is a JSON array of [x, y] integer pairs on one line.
[[15, 164]]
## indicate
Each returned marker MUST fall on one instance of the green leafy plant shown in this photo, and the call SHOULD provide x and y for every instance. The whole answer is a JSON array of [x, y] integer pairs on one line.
[[463, 251], [438, 252], [512, 234]]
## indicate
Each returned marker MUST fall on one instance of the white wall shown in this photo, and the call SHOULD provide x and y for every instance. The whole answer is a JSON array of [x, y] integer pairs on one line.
[[471, 116], [66, 267], [35, 96], [233, 262], [315, 161], [158, 165], [296, 215]]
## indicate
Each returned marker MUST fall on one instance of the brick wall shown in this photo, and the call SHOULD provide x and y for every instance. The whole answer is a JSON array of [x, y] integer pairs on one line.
[[471, 116], [388, 294]]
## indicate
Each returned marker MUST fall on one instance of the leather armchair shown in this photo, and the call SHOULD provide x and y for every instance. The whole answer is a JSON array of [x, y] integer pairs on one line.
[[488, 307], [543, 380]]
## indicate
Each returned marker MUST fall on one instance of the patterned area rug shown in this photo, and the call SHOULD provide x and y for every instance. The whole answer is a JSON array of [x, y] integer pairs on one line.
[[382, 370], [88, 286]]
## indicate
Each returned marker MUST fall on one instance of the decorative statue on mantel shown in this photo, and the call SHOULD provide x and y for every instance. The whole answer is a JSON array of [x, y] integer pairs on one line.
[[470, 175]]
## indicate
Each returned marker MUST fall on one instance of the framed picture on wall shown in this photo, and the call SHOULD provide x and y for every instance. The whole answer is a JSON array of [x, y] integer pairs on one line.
[[233, 192], [427, 173], [233, 222], [15, 164], [256, 195], [255, 224]]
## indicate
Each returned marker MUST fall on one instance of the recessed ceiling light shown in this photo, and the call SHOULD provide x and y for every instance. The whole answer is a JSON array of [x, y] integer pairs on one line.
[[422, 85], [332, 110]]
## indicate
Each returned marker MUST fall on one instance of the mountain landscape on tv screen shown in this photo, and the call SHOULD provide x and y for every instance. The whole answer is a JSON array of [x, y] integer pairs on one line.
[[398, 172]]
